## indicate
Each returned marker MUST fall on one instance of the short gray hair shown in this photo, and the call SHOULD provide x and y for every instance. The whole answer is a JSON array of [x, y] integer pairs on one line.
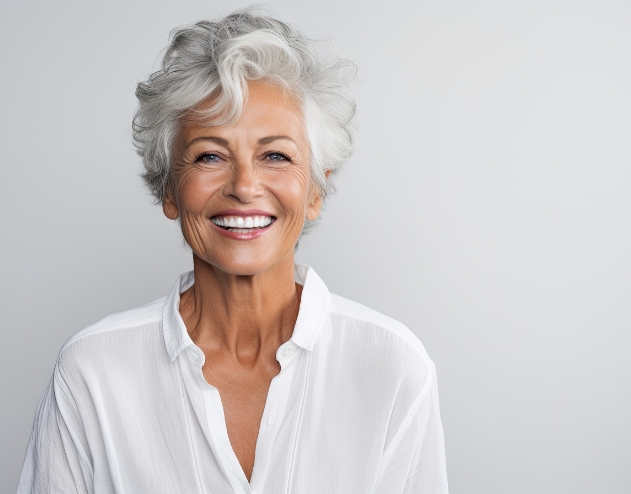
[[217, 59]]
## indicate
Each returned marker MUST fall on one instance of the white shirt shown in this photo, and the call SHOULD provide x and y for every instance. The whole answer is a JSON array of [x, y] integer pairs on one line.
[[354, 409]]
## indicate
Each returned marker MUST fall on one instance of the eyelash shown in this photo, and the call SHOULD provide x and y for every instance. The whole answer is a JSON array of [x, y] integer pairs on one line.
[[285, 157], [206, 153]]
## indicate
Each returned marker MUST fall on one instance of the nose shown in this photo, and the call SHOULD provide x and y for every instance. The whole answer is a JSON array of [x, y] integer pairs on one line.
[[244, 184]]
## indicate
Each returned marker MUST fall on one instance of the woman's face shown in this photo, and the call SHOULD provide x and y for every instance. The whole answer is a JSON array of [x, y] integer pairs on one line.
[[242, 192]]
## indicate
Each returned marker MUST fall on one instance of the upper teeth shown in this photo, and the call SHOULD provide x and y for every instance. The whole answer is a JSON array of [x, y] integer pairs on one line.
[[242, 221]]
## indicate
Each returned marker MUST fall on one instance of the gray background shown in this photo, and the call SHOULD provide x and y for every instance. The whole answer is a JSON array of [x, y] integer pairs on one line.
[[487, 207]]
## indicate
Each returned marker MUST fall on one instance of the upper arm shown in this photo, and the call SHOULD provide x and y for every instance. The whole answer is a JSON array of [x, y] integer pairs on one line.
[[414, 461], [57, 458]]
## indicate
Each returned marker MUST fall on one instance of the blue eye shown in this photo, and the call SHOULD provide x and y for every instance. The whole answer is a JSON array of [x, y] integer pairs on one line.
[[277, 157], [208, 158]]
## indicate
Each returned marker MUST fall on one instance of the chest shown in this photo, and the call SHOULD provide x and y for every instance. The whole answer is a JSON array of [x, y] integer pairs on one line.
[[307, 429], [243, 391]]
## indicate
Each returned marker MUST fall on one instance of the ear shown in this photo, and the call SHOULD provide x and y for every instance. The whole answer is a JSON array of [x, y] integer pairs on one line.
[[169, 207], [315, 206]]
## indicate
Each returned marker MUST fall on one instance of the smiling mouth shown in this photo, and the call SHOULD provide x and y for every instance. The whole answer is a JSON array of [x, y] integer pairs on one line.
[[243, 224]]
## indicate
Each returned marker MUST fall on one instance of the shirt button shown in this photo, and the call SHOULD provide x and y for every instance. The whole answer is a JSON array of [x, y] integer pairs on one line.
[[271, 418], [288, 352]]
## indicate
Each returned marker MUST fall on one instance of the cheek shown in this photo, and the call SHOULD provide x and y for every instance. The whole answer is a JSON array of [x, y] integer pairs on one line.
[[195, 189], [290, 188]]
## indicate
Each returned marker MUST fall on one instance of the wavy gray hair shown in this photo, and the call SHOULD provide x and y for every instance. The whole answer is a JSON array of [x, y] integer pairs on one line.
[[216, 59]]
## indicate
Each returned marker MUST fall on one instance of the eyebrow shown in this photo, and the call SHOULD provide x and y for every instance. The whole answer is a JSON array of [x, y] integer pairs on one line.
[[216, 140], [267, 140], [222, 142]]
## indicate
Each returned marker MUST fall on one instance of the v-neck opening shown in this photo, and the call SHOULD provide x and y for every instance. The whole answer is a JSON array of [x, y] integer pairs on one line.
[[271, 419]]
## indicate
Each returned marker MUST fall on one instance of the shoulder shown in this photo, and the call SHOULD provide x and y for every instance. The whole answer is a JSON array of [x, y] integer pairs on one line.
[[385, 343], [140, 316], [113, 337], [370, 319]]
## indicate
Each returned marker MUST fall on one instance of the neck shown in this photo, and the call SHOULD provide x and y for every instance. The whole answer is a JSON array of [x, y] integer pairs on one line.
[[245, 316]]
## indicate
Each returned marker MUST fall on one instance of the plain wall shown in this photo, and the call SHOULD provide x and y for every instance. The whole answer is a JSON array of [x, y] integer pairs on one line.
[[487, 207]]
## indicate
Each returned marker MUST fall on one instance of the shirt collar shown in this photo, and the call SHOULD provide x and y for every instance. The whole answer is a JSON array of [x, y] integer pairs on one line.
[[176, 337], [314, 307]]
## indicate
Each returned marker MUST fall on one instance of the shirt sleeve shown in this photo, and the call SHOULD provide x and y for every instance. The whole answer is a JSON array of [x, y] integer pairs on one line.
[[415, 459], [57, 458]]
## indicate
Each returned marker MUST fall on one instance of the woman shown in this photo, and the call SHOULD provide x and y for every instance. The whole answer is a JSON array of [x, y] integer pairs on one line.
[[249, 376]]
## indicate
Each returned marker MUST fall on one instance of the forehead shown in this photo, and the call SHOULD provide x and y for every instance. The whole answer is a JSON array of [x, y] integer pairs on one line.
[[261, 93], [270, 110]]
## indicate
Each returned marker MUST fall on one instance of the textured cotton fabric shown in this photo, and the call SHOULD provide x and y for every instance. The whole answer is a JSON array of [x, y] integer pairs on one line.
[[354, 409]]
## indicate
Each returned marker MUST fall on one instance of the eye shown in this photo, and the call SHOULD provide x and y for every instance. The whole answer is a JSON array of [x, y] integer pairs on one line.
[[207, 158], [277, 157]]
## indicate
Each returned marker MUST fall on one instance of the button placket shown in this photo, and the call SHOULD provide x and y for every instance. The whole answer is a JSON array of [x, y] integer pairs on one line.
[[274, 416], [285, 351]]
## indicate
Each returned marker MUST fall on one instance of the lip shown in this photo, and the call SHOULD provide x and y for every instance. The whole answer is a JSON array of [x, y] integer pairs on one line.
[[243, 212]]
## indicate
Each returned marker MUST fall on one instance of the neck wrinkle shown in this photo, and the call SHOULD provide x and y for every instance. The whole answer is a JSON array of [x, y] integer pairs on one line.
[[243, 316]]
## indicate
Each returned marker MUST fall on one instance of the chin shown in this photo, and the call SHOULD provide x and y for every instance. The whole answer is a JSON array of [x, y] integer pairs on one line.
[[243, 264], [243, 269]]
